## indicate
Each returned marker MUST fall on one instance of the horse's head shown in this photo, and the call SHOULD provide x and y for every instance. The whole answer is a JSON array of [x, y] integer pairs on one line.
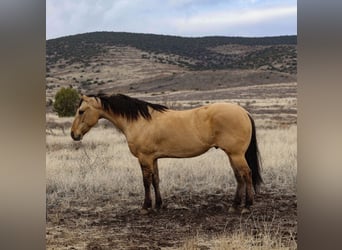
[[87, 115]]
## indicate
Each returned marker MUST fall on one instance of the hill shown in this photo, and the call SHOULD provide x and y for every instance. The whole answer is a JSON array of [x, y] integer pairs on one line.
[[193, 53], [131, 62]]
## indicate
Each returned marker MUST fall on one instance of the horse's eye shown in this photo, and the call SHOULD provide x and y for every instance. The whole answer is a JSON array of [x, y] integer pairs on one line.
[[80, 112]]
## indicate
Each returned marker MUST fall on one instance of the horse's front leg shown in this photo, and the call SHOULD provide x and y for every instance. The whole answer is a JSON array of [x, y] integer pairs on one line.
[[155, 182], [147, 180]]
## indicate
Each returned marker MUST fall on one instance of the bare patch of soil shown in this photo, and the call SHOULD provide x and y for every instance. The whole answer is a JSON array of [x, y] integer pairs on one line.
[[110, 223]]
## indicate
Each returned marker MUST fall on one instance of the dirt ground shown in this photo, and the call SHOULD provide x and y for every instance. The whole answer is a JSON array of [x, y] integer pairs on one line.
[[106, 222]]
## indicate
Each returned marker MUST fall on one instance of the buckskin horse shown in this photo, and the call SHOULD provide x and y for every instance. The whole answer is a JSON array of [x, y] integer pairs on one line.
[[154, 131]]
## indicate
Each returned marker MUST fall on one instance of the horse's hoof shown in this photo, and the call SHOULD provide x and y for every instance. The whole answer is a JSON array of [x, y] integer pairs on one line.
[[162, 207], [232, 210], [245, 211]]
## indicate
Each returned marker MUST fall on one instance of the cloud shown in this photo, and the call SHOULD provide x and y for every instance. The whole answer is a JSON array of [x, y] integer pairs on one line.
[[174, 17], [215, 21]]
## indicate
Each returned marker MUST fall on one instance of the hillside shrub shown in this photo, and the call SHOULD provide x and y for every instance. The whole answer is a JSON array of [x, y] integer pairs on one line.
[[66, 102]]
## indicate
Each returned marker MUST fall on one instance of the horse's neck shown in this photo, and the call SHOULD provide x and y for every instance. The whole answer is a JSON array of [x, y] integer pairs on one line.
[[129, 128], [118, 121]]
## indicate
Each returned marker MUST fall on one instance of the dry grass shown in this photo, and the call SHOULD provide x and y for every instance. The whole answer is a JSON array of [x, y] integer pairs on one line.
[[241, 240], [102, 166], [102, 163]]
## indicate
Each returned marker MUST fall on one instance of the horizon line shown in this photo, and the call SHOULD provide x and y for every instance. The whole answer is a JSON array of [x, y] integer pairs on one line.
[[182, 36]]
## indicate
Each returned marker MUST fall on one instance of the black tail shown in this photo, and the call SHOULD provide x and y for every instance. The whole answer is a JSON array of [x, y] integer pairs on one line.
[[253, 158]]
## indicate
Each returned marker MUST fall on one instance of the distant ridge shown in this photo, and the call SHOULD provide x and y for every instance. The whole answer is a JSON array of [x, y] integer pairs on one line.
[[266, 40], [195, 53]]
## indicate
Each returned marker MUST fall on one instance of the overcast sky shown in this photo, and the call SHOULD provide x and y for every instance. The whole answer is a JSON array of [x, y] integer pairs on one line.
[[173, 17]]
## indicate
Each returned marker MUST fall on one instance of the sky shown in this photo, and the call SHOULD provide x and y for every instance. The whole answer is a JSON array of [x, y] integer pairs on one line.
[[190, 18]]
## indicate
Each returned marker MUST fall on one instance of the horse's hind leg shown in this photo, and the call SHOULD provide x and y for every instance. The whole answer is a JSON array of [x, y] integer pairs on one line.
[[155, 182], [244, 178], [239, 191]]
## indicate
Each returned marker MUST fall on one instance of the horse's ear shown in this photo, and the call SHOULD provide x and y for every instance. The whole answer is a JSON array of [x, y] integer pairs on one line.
[[85, 98], [94, 101]]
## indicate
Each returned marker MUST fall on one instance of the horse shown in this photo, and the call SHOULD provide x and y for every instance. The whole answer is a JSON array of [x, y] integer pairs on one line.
[[154, 131]]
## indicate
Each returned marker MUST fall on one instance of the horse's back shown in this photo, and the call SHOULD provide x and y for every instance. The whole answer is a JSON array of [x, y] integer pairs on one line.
[[219, 124], [208, 120]]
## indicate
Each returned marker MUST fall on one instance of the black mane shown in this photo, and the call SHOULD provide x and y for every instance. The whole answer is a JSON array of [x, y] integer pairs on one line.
[[128, 107]]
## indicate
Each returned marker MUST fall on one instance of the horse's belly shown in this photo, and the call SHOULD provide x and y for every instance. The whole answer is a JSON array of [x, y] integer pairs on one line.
[[182, 148]]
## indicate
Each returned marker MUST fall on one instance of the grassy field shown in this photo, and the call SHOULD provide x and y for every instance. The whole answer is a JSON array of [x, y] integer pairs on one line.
[[94, 193], [103, 163]]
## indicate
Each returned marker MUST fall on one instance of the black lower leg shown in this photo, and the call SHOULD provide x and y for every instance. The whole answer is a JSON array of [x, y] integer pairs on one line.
[[237, 199], [249, 199], [147, 201], [249, 191], [239, 190], [147, 179], [155, 182], [157, 194]]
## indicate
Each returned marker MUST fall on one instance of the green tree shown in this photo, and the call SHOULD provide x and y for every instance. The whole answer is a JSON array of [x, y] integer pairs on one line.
[[66, 102]]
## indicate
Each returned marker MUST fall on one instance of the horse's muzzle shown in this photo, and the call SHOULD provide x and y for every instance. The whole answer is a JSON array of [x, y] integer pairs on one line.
[[74, 137]]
